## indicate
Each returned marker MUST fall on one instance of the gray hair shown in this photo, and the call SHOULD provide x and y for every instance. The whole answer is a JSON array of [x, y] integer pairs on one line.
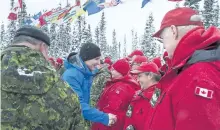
[[23, 38]]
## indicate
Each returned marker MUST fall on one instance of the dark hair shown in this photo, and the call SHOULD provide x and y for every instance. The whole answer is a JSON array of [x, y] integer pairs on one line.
[[71, 54], [23, 38], [156, 77]]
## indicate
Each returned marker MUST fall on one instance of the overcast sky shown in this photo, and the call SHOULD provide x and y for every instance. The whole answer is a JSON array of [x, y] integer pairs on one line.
[[123, 17]]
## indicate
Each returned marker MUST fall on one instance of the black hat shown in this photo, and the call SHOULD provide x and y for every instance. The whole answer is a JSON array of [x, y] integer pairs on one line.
[[34, 32], [89, 51]]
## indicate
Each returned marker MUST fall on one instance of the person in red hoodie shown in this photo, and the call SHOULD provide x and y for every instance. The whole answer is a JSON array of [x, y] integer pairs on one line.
[[117, 95], [190, 90], [136, 63], [134, 54], [148, 77]]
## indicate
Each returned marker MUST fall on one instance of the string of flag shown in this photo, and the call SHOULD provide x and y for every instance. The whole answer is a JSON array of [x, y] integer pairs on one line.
[[70, 13]]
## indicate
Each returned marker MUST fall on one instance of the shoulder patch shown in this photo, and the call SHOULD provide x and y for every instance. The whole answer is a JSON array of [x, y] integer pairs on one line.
[[203, 92]]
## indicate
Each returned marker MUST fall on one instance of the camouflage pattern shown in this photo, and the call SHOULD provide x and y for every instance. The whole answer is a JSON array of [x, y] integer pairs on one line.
[[98, 84], [33, 97]]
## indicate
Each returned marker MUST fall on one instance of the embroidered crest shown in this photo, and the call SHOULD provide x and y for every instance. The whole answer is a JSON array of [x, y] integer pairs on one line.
[[129, 111], [203, 92], [155, 97]]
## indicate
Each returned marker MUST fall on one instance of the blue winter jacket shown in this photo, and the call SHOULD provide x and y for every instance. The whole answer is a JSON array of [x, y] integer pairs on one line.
[[79, 77]]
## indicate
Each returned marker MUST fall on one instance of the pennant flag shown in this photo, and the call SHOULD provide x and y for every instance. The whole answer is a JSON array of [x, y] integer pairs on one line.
[[34, 20], [92, 7], [13, 15], [144, 2], [78, 13]]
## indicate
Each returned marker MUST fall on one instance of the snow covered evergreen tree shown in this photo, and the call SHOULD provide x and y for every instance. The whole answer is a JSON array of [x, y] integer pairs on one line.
[[84, 31], [134, 40], [68, 40], [114, 46], [177, 5], [89, 38], [3, 37], [45, 28], [103, 41], [208, 13], [97, 36], [125, 47], [53, 40], [217, 14], [79, 28], [60, 40], [119, 50], [11, 27], [75, 39], [192, 4], [148, 45]]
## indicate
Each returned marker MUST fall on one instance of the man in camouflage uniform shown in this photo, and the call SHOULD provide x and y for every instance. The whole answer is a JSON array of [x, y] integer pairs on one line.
[[33, 97], [99, 82]]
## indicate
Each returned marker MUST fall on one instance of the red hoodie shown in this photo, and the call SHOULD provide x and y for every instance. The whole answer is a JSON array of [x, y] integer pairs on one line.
[[190, 98], [115, 99]]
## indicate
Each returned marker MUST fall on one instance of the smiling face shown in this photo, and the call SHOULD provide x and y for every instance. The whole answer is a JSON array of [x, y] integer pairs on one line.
[[144, 80], [93, 63]]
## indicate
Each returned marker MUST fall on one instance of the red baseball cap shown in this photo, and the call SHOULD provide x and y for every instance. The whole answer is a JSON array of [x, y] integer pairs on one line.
[[178, 17], [147, 67]]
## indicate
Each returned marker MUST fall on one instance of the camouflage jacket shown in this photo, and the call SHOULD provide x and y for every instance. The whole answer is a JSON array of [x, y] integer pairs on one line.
[[98, 84], [33, 97]]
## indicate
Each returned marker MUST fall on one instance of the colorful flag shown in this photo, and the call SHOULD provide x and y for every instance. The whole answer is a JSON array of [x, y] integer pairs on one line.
[[92, 7], [13, 15], [144, 2]]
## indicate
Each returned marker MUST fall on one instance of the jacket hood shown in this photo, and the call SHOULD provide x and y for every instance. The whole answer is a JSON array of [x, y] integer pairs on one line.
[[127, 79], [196, 44], [76, 62]]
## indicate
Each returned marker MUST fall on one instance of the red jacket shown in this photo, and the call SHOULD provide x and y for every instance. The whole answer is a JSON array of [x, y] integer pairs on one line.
[[138, 109], [115, 99], [190, 98]]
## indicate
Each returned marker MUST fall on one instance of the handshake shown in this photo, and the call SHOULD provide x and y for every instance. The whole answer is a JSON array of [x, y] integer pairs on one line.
[[112, 119]]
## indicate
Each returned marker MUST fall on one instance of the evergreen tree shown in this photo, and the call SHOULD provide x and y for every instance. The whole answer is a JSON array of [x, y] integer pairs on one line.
[[75, 39], [125, 47], [217, 14], [89, 38], [3, 36], [177, 5], [208, 13], [134, 40], [193, 5], [79, 28], [11, 27], [114, 46], [119, 50], [60, 41], [53, 40], [68, 40], [22, 14], [148, 45], [45, 28], [84, 36], [97, 36], [103, 41]]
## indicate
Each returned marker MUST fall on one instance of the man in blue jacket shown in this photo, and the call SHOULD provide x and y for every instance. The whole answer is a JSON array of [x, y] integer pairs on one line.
[[79, 76]]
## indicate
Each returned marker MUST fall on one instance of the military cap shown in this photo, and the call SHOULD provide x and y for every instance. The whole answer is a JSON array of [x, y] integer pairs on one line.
[[34, 32]]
